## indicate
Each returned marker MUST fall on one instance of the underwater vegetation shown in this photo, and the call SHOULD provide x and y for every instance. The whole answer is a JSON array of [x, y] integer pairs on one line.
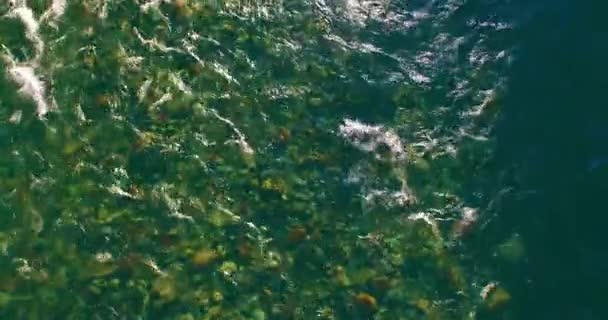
[[180, 160]]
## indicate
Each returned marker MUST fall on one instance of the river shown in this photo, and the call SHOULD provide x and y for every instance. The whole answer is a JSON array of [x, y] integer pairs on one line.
[[348, 159]]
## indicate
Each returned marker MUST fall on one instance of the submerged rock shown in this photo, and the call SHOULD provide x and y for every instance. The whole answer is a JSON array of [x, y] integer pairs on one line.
[[366, 300]]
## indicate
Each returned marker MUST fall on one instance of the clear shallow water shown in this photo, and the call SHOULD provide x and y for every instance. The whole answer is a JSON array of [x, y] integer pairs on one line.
[[331, 160]]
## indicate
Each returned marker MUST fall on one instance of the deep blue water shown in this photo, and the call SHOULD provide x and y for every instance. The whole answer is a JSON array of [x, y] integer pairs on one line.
[[553, 136]]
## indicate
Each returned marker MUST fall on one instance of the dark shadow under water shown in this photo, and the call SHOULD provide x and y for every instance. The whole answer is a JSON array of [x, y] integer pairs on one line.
[[553, 144]]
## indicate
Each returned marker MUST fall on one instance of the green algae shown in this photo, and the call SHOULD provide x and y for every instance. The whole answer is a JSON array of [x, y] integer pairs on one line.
[[180, 128]]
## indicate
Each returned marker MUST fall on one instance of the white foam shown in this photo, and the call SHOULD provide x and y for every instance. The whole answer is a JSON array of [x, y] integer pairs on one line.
[[23, 73], [428, 218], [241, 141], [154, 267], [131, 63], [115, 189], [417, 76], [390, 198], [163, 99], [30, 86], [467, 221], [469, 214], [361, 11], [174, 205], [154, 4], [190, 48], [463, 133], [142, 92], [55, 11], [221, 70], [154, 43], [21, 11], [488, 97], [79, 113], [26, 15], [103, 12], [179, 83], [369, 138]]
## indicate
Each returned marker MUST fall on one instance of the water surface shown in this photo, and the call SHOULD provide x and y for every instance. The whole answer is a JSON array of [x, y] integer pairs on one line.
[[276, 160]]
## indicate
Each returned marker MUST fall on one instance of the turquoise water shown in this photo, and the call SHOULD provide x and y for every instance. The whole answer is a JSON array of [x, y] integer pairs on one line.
[[292, 160]]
